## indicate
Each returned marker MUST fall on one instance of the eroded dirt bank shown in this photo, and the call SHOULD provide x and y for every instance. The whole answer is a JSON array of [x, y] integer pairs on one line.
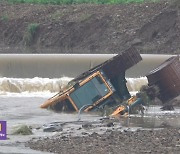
[[150, 27]]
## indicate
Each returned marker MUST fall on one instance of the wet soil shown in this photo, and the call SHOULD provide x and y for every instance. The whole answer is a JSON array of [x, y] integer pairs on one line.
[[155, 132], [89, 28], [124, 142]]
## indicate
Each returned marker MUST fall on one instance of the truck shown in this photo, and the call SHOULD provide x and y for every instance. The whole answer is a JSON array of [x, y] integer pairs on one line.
[[105, 85]]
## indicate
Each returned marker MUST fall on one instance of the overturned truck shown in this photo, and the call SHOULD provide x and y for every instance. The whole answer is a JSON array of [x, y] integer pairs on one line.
[[102, 85], [105, 85]]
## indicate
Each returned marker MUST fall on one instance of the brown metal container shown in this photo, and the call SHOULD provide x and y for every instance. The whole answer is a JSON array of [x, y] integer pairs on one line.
[[167, 78]]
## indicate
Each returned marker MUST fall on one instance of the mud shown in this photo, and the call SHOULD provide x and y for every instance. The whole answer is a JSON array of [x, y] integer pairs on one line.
[[88, 28], [113, 141], [155, 132]]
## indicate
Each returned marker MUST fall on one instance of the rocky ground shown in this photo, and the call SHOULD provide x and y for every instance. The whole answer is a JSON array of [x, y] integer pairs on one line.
[[88, 28], [166, 141]]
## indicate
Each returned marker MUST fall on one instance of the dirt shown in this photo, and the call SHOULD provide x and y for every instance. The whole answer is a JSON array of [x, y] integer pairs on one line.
[[89, 28], [124, 142]]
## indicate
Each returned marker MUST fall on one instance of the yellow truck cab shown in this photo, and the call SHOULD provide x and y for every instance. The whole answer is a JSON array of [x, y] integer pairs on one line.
[[91, 91]]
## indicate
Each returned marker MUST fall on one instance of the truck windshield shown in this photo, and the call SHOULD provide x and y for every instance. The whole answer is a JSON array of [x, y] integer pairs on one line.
[[90, 92]]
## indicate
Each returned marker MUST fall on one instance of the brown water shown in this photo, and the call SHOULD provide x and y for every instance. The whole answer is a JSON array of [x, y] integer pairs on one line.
[[28, 80]]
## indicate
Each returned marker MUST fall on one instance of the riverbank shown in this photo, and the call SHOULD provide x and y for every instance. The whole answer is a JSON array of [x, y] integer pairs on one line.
[[20, 110], [90, 28], [124, 142], [155, 132]]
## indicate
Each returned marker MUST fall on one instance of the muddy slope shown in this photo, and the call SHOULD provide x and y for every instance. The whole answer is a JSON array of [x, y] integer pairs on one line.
[[150, 27]]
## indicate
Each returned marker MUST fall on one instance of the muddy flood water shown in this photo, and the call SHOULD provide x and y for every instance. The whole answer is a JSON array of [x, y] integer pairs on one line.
[[24, 86]]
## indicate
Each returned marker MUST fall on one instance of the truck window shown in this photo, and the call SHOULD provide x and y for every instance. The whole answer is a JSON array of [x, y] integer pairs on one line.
[[90, 92]]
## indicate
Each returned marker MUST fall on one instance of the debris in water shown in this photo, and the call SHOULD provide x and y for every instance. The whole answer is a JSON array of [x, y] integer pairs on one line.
[[22, 130], [52, 127], [167, 107]]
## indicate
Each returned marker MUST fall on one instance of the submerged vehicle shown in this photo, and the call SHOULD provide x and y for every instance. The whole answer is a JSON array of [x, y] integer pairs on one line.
[[102, 85], [105, 85]]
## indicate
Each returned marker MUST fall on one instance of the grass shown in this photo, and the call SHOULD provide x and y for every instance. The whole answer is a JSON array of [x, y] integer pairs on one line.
[[30, 33], [32, 28], [61, 2], [4, 18]]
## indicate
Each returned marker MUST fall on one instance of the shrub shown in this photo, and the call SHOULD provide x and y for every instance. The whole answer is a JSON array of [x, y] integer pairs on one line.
[[32, 28], [4, 18], [22, 130], [30, 33]]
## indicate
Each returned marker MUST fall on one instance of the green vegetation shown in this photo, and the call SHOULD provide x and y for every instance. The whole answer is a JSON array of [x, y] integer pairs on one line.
[[4, 18], [30, 33], [60, 2], [22, 130], [32, 28]]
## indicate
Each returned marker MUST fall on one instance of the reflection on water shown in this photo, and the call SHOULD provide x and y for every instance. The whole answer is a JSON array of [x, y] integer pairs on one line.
[[154, 118]]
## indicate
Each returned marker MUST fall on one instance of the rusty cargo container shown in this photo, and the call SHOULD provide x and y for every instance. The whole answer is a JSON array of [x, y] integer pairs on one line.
[[167, 78]]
